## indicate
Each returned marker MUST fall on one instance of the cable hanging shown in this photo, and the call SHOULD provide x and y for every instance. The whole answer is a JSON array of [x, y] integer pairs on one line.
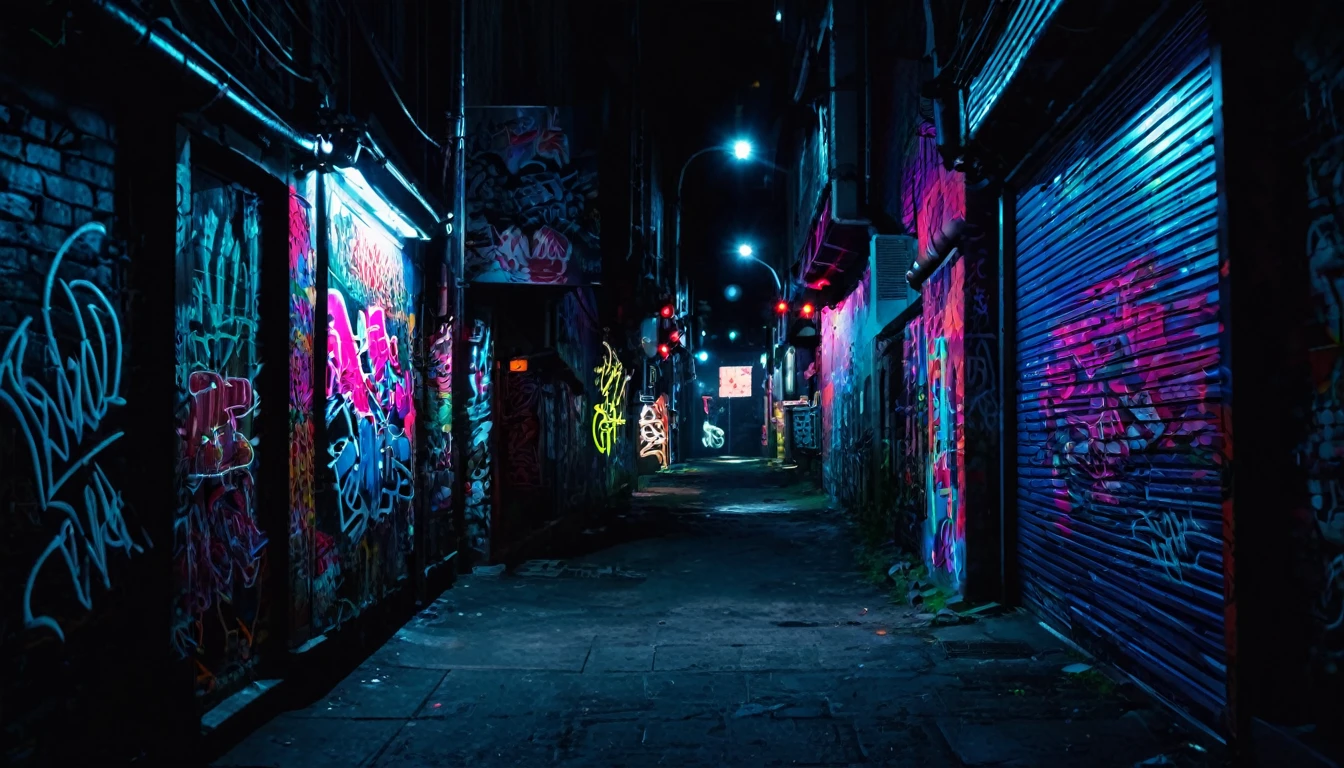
[[387, 77]]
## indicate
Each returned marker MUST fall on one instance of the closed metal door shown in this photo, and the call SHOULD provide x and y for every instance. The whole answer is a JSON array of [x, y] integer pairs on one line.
[[1120, 434]]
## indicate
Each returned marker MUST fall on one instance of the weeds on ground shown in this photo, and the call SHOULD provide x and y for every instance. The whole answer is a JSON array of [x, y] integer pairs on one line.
[[1097, 682]]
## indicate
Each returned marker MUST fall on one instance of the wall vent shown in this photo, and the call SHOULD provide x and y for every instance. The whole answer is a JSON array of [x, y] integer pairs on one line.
[[893, 256]]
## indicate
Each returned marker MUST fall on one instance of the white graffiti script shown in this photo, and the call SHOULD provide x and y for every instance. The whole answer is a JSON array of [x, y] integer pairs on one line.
[[653, 431], [61, 411], [713, 437]]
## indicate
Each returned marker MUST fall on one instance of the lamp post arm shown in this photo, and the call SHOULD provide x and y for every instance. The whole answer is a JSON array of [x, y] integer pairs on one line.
[[778, 285], [676, 241]]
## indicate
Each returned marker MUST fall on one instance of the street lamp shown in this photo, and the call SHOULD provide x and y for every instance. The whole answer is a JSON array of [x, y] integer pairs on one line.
[[745, 251], [732, 335], [741, 150], [702, 356]]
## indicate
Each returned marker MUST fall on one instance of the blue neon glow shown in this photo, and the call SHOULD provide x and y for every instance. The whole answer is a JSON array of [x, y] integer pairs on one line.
[[1025, 27], [356, 185], [702, 356]]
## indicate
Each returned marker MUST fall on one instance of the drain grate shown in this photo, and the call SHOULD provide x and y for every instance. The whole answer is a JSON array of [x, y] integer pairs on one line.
[[987, 649]]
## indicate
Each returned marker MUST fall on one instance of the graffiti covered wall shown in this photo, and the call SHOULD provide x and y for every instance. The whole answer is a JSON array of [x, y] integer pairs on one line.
[[845, 366], [313, 559], [220, 553], [580, 469], [912, 455], [1322, 452], [653, 431], [370, 407], [72, 536], [531, 198], [440, 538], [941, 330], [480, 464]]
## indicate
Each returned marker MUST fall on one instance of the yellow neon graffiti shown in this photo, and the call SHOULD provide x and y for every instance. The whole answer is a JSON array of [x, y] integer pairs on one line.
[[608, 416]]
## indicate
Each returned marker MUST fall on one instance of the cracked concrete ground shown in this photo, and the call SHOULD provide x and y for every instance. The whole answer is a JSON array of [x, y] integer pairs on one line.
[[721, 622]]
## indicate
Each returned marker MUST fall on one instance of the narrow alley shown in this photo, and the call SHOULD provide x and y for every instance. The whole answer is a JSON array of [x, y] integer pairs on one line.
[[720, 622], [466, 383]]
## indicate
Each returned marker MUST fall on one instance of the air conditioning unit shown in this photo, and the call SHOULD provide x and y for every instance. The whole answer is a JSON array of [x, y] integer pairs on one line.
[[891, 257]]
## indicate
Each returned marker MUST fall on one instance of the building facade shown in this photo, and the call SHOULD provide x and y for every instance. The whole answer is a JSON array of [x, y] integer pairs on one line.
[[214, 490], [1082, 202]]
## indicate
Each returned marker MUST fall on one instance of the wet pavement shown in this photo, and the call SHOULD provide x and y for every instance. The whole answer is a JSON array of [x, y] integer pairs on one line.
[[721, 622]]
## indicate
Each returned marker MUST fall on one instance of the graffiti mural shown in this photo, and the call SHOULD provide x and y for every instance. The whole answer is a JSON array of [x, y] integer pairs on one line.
[[522, 429], [846, 364], [943, 326], [314, 567], [653, 430], [609, 415], [439, 535], [576, 342], [62, 408], [370, 406], [912, 455], [531, 200], [1323, 450], [480, 460], [711, 436], [219, 549]]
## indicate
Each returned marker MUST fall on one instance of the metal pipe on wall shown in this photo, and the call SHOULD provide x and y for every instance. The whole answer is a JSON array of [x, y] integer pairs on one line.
[[160, 34]]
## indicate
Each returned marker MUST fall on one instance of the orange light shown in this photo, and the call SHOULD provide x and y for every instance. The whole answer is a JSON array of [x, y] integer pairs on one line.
[[666, 310], [782, 307], [808, 309], [518, 365], [664, 350]]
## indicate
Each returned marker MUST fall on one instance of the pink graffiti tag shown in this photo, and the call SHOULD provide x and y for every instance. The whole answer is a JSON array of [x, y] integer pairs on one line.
[[213, 443]]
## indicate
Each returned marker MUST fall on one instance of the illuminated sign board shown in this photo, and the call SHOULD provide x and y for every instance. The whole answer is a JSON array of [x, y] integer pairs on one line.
[[735, 381]]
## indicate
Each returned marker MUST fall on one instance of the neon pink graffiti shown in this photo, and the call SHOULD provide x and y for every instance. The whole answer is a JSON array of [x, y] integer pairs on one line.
[[213, 442]]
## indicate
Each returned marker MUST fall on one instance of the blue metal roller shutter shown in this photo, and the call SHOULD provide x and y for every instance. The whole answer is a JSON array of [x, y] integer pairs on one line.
[[1120, 437]]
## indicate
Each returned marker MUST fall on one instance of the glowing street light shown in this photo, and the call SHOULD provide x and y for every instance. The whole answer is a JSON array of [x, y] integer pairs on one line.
[[702, 356], [732, 335], [741, 152], [744, 250]]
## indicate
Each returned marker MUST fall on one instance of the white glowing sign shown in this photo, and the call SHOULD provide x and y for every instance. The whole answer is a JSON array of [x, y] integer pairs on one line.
[[735, 381]]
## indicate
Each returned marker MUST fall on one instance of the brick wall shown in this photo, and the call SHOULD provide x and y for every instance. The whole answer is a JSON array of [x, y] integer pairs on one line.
[[63, 390], [55, 175]]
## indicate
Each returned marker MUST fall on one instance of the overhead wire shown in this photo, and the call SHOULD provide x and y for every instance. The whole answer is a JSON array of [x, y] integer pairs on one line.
[[387, 77], [260, 42]]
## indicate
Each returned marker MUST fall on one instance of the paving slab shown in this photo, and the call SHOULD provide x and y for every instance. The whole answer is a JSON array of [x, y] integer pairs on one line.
[[749, 640]]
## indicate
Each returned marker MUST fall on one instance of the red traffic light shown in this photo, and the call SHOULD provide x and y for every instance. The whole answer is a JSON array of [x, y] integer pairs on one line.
[[664, 350], [781, 307], [807, 310], [674, 337], [666, 311]]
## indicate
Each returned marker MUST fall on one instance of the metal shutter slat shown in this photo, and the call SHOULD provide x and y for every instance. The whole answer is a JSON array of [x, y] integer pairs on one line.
[[1120, 482]]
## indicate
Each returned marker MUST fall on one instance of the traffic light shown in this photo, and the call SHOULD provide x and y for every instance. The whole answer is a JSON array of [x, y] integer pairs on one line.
[[781, 307], [674, 337], [664, 350], [666, 311]]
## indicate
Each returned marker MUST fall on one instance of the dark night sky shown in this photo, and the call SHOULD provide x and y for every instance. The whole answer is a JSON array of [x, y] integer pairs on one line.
[[703, 57]]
